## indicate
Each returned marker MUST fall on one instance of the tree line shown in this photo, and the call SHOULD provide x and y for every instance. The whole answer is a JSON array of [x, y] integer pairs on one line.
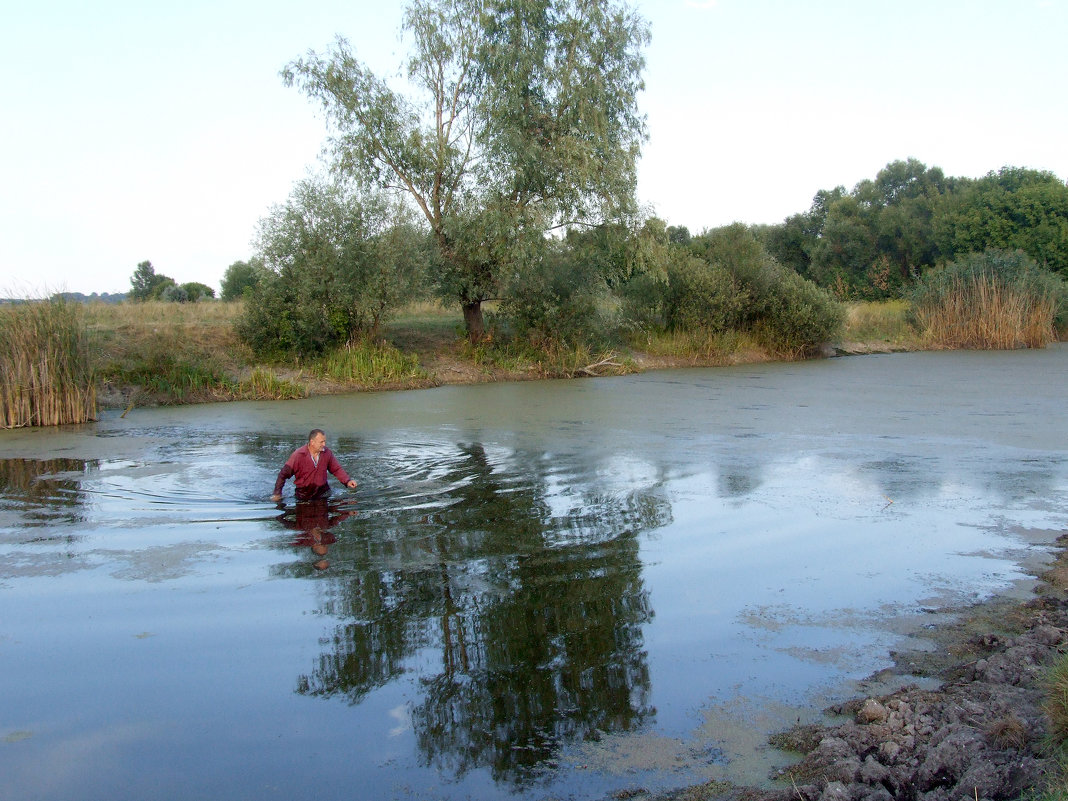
[[147, 284], [505, 171], [877, 240]]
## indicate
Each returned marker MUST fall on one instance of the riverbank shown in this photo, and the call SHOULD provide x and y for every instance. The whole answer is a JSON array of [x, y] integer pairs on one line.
[[170, 353], [983, 733]]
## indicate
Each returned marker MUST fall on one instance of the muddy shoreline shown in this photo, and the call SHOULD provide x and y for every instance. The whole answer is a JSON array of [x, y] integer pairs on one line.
[[980, 733]]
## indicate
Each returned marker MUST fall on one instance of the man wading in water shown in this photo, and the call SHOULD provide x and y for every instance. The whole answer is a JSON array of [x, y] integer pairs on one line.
[[310, 464]]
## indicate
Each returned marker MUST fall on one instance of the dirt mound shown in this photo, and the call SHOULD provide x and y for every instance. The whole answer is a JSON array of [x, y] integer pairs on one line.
[[979, 736]]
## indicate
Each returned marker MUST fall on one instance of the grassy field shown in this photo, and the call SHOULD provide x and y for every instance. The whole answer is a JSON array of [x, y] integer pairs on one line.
[[160, 353], [150, 353]]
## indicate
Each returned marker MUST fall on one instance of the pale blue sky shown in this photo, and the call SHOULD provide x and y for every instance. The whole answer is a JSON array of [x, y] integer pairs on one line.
[[133, 131]]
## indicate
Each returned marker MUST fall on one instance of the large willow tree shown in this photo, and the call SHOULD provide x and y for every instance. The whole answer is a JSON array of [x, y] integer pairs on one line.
[[521, 118]]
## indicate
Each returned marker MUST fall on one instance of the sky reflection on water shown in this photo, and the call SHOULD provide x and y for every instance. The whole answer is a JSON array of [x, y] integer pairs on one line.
[[557, 588]]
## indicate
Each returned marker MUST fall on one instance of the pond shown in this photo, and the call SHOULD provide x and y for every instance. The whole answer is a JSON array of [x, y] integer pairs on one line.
[[538, 590]]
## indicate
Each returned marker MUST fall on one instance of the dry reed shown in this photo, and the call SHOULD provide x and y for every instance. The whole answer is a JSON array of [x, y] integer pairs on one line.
[[980, 313], [45, 373], [997, 300]]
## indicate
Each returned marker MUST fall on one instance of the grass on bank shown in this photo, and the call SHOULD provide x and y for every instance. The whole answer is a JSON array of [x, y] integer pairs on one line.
[[520, 360], [369, 364], [188, 352], [700, 347], [172, 352], [46, 376], [191, 352], [881, 323], [1055, 707]]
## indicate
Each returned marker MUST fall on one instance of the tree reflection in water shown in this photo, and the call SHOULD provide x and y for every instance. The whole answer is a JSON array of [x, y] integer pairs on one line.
[[533, 614]]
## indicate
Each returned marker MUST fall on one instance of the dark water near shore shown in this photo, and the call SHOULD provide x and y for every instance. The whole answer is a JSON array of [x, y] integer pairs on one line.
[[542, 590]]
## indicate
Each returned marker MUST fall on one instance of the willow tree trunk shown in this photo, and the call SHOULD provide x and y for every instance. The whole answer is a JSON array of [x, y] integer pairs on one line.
[[473, 321]]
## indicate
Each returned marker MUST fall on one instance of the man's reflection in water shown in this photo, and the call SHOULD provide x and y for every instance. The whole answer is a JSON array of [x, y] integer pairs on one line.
[[313, 521]]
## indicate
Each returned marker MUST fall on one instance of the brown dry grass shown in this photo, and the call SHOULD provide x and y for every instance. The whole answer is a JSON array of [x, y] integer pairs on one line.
[[981, 314], [45, 374]]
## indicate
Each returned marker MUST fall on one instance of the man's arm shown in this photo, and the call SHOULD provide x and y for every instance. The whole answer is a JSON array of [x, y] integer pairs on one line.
[[334, 466], [283, 476]]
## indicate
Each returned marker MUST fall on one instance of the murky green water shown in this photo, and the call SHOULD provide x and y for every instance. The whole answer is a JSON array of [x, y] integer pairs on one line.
[[540, 590]]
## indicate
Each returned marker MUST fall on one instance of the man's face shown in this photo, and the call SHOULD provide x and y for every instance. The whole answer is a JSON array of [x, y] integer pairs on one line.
[[317, 443]]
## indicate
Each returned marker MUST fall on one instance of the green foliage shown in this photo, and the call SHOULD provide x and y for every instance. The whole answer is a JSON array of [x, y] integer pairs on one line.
[[800, 316], [702, 295], [338, 261], [369, 364], [1011, 209], [196, 291], [793, 242], [868, 243], [523, 118], [147, 284], [241, 276], [190, 292], [572, 295], [726, 281], [678, 234], [560, 300], [172, 374], [874, 241], [643, 280], [791, 314], [172, 293], [166, 289], [644, 301]]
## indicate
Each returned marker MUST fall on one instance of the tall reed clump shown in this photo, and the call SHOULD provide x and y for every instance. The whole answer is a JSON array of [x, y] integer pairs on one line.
[[994, 300], [46, 377]]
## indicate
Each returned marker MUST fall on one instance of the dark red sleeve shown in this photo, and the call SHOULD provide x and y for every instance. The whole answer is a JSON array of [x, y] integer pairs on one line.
[[334, 466], [283, 476]]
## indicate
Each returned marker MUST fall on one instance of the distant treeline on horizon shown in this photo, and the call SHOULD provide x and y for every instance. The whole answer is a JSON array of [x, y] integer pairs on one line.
[[77, 297]]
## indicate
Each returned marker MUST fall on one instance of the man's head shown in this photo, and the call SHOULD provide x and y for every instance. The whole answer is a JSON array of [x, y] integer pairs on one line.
[[316, 441]]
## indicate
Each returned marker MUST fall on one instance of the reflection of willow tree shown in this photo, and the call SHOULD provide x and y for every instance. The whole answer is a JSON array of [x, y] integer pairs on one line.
[[534, 617], [39, 490]]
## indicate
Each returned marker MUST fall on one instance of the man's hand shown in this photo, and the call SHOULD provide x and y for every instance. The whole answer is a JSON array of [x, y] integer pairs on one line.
[[351, 484], [276, 498]]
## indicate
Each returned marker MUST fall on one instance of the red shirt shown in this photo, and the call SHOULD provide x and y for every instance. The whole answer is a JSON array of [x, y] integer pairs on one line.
[[311, 477]]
